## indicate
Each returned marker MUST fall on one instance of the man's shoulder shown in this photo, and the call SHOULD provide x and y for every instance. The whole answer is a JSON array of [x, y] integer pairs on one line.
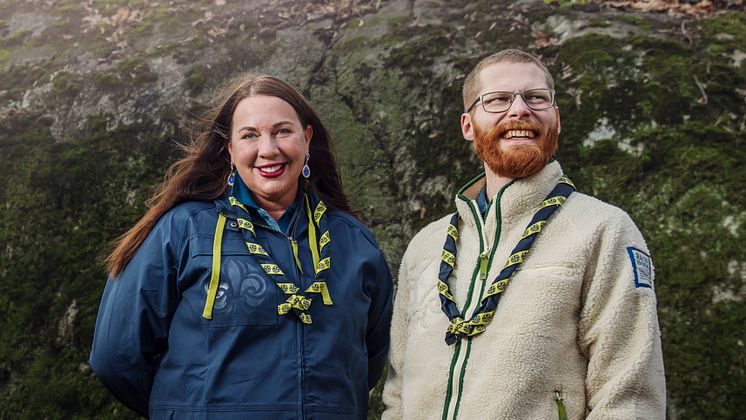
[[591, 215], [438, 228], [429, 240]]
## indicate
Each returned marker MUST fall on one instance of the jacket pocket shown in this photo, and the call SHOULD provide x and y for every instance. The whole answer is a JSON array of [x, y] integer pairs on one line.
[[245, 294]]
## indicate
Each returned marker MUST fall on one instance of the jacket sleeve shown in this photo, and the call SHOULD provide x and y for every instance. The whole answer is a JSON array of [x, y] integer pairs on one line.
[[379, 321], [134, 318], [618, 329], [399, 327]]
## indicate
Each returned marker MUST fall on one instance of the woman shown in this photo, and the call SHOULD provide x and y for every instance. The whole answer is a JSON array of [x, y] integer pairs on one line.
[[248, 290]]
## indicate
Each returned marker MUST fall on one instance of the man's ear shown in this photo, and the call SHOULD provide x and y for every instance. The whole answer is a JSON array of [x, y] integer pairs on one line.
[[559, 126], [467, 128]]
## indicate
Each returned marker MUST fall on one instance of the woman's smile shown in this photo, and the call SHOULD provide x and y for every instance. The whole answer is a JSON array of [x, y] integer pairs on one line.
[[272, 170]]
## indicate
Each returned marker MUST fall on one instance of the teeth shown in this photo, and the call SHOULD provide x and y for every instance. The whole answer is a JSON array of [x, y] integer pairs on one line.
[[519, 133], [271, 168]]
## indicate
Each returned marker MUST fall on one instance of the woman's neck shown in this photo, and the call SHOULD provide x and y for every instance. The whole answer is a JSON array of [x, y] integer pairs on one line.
[[275, 208]]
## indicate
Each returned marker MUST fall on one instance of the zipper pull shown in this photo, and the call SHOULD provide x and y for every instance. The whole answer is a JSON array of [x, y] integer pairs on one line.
[[483, 266], [294, 246], [561, 411]]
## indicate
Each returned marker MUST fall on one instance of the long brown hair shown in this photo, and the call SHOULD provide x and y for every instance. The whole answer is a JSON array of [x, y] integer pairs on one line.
[[202, 175]]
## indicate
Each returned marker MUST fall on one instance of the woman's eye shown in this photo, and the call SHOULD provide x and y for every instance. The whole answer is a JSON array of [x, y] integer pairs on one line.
[[284, 131], [248, 136]]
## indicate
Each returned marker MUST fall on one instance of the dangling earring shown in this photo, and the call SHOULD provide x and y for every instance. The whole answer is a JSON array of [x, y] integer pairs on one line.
[[232, 176], [306, 170]]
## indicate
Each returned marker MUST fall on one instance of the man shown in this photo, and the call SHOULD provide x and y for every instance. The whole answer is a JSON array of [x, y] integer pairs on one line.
[[541, 303]]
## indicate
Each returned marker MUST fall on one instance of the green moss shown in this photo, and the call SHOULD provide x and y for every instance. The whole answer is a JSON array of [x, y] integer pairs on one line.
[[636, 21], [106, 81], [733, 23], [352, 44], [135, 70], [418, 51], [567, 3], [195, 79], [66, 84], [15, 39]]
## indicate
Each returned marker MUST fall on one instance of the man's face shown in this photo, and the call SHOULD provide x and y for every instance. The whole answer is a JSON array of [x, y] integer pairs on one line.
[[520, 141]]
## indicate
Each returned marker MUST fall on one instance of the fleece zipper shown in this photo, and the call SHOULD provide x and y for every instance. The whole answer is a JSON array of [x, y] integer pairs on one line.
[[462, 348]]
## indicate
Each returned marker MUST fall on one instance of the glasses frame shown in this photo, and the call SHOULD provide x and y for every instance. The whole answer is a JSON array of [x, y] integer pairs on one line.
[[512, 99]]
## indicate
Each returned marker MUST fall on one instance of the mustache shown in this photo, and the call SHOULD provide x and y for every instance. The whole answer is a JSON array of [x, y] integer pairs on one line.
[[495, 133], [516, 125]]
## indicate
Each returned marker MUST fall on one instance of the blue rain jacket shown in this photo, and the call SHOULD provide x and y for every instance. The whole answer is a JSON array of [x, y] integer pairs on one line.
[[158, 355]]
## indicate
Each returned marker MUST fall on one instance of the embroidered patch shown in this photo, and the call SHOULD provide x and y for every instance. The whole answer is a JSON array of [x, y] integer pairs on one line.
[[642, 266]]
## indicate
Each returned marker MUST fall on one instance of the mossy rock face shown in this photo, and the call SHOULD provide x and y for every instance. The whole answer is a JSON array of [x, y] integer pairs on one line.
[[92, 98]]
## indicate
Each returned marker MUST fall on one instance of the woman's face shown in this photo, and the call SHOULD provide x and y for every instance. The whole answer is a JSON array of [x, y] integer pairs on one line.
[[268, 145]]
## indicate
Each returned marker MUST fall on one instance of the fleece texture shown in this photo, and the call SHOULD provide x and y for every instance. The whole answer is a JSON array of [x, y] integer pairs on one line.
[[577, 319]]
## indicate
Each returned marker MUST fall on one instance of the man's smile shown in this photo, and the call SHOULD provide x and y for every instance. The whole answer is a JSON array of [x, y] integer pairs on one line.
[[521, 134]]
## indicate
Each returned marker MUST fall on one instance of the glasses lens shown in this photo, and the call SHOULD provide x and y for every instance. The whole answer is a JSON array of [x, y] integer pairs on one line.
[[497, 101], [538, 98]]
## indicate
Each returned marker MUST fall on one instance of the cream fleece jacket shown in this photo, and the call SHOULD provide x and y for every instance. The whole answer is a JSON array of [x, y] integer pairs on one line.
[[578, 319]]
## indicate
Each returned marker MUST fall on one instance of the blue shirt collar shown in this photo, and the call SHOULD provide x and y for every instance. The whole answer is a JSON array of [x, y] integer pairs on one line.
[[243, 194], [482, 202]]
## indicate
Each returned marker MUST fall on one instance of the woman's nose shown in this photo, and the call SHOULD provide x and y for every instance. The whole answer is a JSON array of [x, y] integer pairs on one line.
[[267, 145]]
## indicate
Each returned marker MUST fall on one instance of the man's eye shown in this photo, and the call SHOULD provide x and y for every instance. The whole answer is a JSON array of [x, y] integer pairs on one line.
[[499, 99]]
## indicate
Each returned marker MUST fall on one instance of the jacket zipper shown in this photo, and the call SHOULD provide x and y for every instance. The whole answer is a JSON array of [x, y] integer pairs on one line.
[[455, 389], [561, 411], [299, 327]]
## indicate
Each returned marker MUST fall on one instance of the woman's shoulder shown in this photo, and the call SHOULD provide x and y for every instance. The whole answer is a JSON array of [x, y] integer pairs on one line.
[[188, 210], [342, 220]]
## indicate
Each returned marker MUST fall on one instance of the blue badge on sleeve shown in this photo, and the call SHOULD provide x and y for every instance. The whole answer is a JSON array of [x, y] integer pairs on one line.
[[642, 266]]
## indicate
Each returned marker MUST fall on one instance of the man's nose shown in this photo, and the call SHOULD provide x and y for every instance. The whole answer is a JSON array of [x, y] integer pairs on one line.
[[519, 109]]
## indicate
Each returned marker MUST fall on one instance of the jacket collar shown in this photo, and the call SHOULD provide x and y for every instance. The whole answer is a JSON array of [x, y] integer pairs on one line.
[[515, 198]]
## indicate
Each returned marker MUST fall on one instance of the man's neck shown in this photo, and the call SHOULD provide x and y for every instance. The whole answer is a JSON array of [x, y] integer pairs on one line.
[[494, 182]]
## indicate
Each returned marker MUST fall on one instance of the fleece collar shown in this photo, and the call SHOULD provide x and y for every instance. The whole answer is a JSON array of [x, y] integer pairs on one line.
[[515, 198]]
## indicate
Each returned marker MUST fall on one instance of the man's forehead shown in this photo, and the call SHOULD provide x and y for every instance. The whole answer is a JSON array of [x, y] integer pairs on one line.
[[509, 75]]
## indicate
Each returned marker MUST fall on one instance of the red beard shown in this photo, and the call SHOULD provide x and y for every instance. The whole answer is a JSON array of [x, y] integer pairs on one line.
[[517, 161]]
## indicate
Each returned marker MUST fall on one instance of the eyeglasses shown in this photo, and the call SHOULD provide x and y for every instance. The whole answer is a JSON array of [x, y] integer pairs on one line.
[[501, 101]]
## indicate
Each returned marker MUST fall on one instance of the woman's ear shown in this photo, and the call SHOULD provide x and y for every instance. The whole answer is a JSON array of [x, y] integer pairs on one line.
[[309, 134]]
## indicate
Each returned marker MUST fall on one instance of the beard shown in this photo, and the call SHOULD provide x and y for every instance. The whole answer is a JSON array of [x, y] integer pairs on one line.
[[520, 160]]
